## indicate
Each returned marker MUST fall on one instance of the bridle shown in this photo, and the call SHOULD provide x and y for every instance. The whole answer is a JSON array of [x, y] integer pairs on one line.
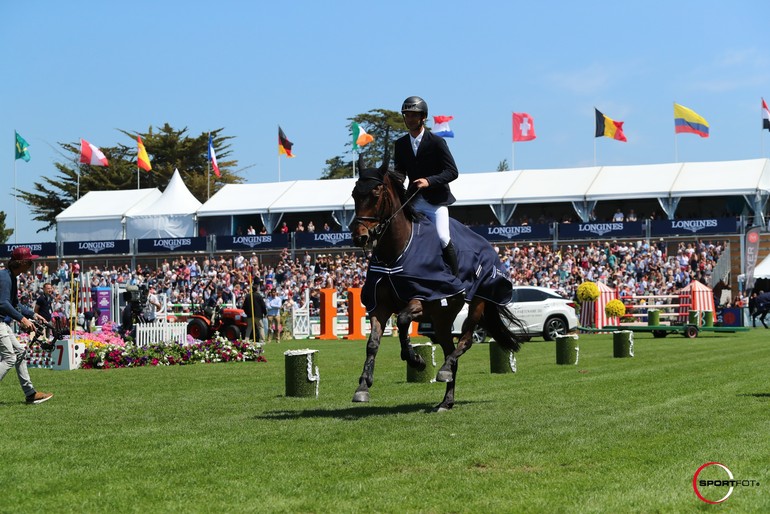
[[381, 223]]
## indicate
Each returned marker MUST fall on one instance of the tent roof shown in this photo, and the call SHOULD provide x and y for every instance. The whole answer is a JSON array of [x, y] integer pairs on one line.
[[176, 199], [324, 195], [763, 268], [246, 199], [554, 185], [108, 204], [725, 178], [483, 188], [647, 181]]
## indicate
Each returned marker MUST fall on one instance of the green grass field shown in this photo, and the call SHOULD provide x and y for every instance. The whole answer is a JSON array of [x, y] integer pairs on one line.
[[607, 435]]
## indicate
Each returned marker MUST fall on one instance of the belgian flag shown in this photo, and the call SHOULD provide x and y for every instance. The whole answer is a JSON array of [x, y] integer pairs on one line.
[[284, 145], [606, 126]]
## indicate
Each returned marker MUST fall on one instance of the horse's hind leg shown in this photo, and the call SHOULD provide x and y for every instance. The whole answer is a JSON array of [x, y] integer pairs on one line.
[[403, 322], [367, 376], [448, 371]]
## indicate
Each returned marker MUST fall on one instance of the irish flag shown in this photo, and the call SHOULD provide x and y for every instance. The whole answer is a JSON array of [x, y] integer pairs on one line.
[[360, 136], [90, 154]]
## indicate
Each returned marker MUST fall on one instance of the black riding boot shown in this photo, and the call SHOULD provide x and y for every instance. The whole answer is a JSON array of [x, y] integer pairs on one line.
[[450, 257]]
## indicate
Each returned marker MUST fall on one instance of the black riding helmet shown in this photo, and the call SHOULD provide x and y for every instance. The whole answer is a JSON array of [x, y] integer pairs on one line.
[[415, 104]]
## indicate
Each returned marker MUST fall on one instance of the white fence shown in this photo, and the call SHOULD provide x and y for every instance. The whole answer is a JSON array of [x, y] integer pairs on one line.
[[148, 333]]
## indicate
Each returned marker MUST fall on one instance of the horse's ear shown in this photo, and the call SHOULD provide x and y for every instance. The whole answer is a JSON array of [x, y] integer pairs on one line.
[[360, 162]]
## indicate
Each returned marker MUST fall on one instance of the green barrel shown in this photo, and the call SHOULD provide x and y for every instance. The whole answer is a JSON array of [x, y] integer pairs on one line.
[[623, 344], [653, 317], [302, 375], [501, 360], [693, 318], [428, 353], [708, 318], [567, 349]]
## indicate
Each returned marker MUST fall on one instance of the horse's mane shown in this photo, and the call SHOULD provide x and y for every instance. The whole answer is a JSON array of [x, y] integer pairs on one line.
[[397, 183]]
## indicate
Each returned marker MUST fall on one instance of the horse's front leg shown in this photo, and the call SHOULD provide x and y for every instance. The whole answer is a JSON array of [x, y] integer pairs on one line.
[[404, 321], [372, 345]]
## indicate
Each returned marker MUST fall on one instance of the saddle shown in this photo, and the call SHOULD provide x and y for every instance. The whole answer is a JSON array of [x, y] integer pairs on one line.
[[420, 272]]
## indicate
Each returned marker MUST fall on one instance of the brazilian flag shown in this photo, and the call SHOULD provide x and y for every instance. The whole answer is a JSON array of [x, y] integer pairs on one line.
[[22, 148]]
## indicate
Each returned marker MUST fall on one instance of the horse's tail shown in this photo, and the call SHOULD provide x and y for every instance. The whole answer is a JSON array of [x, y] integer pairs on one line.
[[503, 326]]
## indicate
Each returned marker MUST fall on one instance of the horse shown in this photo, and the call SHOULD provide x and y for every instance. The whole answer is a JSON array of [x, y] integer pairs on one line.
[[407, 276]]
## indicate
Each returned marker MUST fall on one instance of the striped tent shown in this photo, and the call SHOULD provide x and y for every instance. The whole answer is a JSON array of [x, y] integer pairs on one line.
[[592, 313], [701, 298]]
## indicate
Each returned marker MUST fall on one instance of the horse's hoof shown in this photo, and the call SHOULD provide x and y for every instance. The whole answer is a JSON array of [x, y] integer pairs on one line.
[[418, 364], [442, 408], [361, 397], [444, 376]]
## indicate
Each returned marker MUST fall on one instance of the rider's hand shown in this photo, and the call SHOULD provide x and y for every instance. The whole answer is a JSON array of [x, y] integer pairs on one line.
[[421, 183], [27, 324]]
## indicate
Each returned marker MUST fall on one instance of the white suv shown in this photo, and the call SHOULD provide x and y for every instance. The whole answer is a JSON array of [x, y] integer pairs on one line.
[[543, 311]]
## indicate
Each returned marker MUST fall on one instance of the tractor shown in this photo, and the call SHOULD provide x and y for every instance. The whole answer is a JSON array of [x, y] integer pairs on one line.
[[229, 322]]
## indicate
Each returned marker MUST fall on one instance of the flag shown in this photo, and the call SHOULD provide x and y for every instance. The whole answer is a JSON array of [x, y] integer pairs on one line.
[[90, 154], [523, 127], [689, 122], [606, 126], [142, 159], [441, 126], [765, 118], [360, 136], [284, 145], [22, 148], [213, 156]]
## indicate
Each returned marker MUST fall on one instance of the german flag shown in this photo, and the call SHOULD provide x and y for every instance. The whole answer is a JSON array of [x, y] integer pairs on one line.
[[284, 145], [606, 126]]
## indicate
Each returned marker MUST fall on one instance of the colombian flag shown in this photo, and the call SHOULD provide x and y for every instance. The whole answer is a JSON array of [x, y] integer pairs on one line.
[[689, 122], [284, 145], [606, 126]]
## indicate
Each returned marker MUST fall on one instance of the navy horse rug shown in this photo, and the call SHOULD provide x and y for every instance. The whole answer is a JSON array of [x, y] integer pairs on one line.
[[421, 273]]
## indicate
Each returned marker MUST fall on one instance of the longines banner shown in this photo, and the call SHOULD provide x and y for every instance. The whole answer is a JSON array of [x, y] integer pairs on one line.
[[172, 244], [513, 232], [322, 239], [96, 247], [702, 226], [258, 242], [600, 229], [41, 249]]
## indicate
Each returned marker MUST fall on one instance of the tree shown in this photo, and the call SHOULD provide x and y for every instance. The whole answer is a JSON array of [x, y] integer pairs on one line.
[[5, 234], [169, 149], [503, 165], [384, 125]]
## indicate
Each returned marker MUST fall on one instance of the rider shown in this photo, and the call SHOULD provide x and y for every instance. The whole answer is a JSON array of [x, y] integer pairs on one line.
[[425, 158]]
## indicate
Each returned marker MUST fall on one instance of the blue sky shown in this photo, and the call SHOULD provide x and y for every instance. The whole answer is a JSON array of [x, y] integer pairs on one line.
[[88, 68]]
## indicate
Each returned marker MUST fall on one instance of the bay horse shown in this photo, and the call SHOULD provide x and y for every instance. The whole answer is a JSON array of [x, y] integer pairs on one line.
[[407, 276]]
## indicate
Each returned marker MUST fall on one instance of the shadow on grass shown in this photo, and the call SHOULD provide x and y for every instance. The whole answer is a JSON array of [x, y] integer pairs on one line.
[[351, 413], [756, 395]]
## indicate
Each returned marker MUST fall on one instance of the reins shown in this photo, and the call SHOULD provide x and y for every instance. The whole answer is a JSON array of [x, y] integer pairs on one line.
[[382, 226]]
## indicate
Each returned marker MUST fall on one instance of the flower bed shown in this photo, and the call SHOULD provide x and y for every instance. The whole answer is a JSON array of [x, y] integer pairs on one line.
[[106, 350]]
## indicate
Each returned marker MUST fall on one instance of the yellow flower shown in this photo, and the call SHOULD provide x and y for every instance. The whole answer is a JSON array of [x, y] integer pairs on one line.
[[587, 292], [615, 309]]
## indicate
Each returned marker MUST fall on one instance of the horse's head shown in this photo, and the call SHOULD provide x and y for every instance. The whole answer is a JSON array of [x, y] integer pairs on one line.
[[373, 204]]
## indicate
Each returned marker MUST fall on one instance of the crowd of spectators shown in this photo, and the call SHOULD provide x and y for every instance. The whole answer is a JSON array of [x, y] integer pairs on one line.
[[633, 268]]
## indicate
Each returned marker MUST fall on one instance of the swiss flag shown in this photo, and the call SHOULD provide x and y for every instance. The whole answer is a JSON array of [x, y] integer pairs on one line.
[[523, 127]]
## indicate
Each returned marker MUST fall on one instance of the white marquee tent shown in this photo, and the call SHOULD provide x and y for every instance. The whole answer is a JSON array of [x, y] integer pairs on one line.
[[502, 191], [171, 215], [98, 215]]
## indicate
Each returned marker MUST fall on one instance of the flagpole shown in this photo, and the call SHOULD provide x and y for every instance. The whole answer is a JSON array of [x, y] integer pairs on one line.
[[279, 166], [513, 155], [208, 171], [15, 205], [676, 145]]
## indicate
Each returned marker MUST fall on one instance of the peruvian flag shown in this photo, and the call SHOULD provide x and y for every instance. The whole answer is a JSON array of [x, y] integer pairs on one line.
[[90, 154], [523, 127], [213, 157]]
